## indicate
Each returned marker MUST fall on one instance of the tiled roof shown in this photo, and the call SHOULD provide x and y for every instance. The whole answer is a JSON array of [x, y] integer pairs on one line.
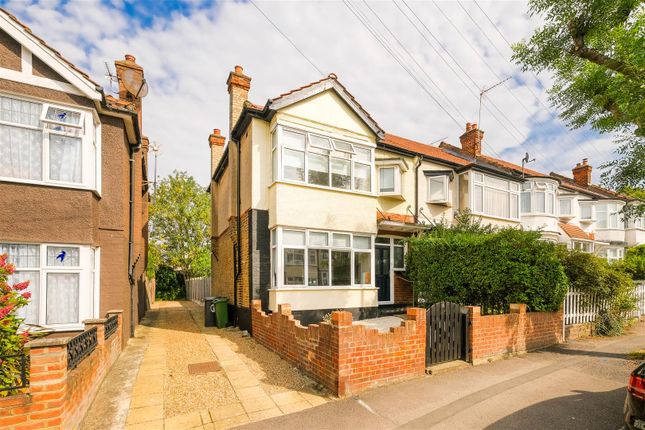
[[55, 52], [575, 232], [388, 216], [594, 190], [295, 90], [422, 148], [494, 161]]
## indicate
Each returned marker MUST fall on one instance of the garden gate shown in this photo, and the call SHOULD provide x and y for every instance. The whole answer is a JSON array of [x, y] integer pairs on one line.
[[446, 333]]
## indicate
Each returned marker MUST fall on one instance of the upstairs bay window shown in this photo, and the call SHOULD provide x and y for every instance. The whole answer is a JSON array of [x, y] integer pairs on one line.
[[493, 196], [437, 189], [390, 173], [322, 161], [538, 197], [45, 143], [308, 258], [608, 216]]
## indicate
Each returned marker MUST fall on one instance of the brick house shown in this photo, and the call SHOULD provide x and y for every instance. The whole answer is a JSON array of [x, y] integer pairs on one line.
[[73, 163], [312, 201]]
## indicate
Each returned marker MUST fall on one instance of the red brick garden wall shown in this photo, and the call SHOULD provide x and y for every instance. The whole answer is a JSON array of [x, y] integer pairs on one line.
[[494, 336], [345, 358], [58, 397]]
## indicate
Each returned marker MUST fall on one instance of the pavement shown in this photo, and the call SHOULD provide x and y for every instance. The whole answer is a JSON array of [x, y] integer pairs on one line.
[[578, 385], [176, 374]]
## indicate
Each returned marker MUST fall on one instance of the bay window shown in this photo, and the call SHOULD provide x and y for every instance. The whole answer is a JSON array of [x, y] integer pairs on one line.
[[323, 259], [582, 246], [608, 216], [613, 254], [63, 282], [538, 197], [45, 143], [387, 180], [494, 196], [321, 161]]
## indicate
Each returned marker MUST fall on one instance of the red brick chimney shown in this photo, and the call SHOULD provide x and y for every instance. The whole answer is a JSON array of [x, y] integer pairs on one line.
[[238, 89], [471, 140], [582, 173], [128, 71], [216, 142]]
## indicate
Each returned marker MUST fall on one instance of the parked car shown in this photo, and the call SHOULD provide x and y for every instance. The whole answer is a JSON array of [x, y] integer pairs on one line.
[[635, 402]]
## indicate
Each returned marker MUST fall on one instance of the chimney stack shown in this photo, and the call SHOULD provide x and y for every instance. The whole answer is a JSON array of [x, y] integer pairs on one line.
[[238, 89], [216, 142], [471, 140], [134, 74], [582, 173]]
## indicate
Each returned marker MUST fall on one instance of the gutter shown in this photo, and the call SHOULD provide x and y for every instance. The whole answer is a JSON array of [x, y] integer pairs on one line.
[[238, 266]]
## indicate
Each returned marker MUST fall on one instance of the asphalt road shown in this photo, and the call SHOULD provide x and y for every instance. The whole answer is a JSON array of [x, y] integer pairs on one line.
[[580, 385]]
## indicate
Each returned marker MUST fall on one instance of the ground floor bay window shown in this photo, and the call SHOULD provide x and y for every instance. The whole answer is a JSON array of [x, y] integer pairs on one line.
[[320, 259], [63, 282]]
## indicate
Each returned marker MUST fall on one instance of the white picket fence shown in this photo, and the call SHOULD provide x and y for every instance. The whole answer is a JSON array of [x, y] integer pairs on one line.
[[579, 308], [197, 289]]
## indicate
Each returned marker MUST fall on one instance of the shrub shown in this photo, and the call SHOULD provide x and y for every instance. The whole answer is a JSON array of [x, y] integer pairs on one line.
[[492, 270], [595, 277], [12, 298], [169, 284], [634, 262]]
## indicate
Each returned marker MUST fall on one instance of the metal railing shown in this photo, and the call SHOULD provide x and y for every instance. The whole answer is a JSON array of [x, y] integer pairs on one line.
[[197, 289], [80, 347], [111, 324], [21, 380]]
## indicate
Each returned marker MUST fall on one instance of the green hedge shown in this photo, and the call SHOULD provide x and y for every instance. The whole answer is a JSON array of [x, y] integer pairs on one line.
[[491, 270], [169, 285]]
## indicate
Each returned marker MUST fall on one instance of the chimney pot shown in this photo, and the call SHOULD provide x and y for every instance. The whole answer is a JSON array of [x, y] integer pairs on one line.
[[474, 126], [130, 57], [468, 126], [239, 69], [217, 131]]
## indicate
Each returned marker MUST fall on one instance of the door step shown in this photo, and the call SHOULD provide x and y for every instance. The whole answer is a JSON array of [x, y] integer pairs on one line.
[[448, 366]]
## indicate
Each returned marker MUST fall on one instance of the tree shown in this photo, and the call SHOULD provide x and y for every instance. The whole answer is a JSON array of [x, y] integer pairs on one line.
[[595, 50], [180, 226]]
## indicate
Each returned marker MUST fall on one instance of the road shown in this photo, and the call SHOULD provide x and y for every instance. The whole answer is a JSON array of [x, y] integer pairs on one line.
[[580, 385]]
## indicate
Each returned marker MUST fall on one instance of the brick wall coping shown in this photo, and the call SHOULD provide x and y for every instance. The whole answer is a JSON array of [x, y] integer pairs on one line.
[[49, 341], [95, 321], [114, 311]]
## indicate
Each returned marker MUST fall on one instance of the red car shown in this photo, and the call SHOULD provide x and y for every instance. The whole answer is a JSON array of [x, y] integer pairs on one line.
[[635, 402]]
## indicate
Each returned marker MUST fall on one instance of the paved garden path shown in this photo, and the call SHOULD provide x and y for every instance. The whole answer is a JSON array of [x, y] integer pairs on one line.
[[177, 374]]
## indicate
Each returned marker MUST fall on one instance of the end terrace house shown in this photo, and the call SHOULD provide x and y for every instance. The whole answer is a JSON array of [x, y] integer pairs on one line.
[[312, 202], [73, 184]]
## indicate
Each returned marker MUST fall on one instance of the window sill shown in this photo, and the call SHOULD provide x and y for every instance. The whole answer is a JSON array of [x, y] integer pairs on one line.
[[588, 220], [542, 214], [317, 288], [321, 187], [48, 184], [394, 196], [445, 203], [478, 214]]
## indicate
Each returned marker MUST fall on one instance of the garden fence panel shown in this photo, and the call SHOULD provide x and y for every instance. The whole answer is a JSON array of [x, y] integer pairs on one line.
[[197, 289], [580, 308]]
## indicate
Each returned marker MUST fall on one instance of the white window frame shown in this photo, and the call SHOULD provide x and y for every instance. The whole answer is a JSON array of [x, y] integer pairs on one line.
[[593, 211], [278, 281], [350, 155], [510, 191], [612, 209], [446, 190], [580, 245], [536, 187], [397, 180], [571, 212], [89, 272], [90, 144]]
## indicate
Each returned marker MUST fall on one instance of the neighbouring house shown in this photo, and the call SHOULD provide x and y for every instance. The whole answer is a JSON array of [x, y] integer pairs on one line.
[[312, 201], [73, 181]]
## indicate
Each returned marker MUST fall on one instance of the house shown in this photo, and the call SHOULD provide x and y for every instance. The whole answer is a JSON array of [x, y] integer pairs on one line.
[[73, 181], [312, 201]]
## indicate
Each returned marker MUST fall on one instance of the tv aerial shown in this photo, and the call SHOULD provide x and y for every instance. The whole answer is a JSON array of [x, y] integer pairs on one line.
[[526, 160], [111, 77], [135, 83]]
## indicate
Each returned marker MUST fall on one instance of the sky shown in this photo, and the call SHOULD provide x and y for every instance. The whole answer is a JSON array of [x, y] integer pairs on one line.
[[424, 84]]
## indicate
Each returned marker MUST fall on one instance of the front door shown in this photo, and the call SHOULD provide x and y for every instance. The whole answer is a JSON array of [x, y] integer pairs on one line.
[[383, 273]]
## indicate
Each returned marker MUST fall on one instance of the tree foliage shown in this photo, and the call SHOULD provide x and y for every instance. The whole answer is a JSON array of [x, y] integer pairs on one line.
[[595, 50], [491, 270], [180, 226], [634, 262]]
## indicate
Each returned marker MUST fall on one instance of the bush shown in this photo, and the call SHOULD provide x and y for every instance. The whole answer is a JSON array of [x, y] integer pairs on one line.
[[492, 270], [169, 284], [12, 298], [595, 277], [634, 262]]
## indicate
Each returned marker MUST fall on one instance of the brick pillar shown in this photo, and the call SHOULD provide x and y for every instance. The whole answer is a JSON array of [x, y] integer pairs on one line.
[[101, 347], [48, 380], [117, 346], [474, 323]]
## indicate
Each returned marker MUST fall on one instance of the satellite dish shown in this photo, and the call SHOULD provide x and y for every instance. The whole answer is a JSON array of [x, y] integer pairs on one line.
[[134, 83]]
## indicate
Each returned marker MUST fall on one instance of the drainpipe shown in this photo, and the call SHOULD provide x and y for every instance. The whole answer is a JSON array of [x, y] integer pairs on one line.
[[417, 164], [131, 243], [238, 269]]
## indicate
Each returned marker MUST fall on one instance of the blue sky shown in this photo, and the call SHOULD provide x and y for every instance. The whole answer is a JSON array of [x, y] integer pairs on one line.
[[188, 47]]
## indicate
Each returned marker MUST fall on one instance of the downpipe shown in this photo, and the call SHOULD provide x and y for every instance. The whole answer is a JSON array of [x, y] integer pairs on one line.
[[131, 243]]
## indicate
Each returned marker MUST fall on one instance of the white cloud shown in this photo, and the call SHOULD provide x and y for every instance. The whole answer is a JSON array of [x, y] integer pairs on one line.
[[187, 60]]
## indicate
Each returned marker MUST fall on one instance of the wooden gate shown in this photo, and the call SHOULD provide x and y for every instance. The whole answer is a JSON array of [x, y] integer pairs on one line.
[[446, 333]]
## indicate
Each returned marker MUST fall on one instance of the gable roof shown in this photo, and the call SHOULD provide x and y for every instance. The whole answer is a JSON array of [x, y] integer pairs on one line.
[[328, 83], [76, 77], [593, 190]]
